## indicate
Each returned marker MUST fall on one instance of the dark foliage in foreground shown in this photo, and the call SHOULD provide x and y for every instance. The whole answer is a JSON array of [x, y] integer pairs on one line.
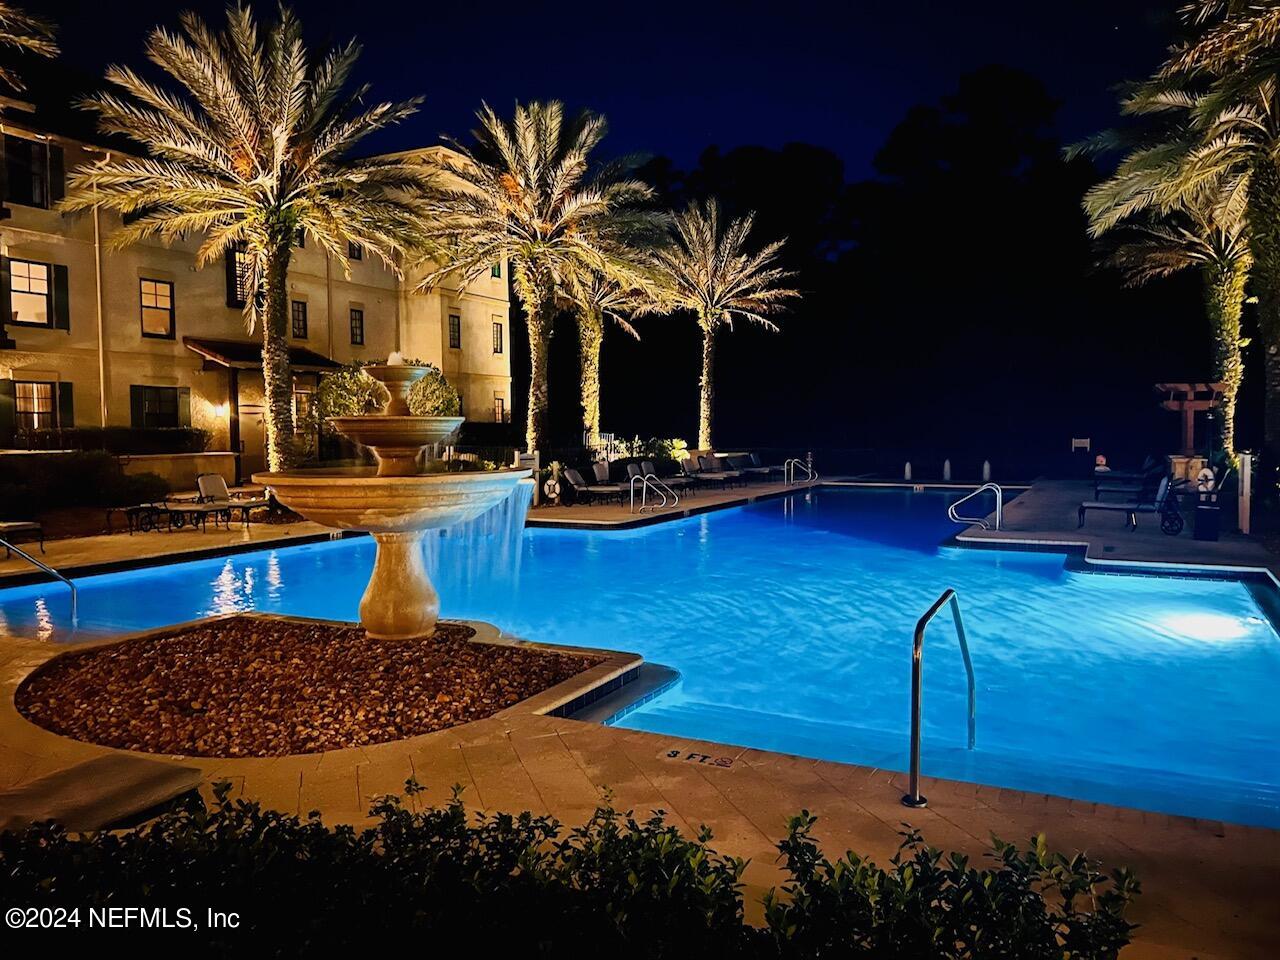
[[616, 886]]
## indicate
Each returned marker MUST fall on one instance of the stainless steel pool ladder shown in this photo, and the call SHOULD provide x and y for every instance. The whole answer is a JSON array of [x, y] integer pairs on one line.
[[650, 481], [789, 471], [913, 798], [75, 598], [980, 521]]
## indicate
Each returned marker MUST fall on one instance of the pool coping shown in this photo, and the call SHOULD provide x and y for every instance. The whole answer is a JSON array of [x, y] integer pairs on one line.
[[652, 519]]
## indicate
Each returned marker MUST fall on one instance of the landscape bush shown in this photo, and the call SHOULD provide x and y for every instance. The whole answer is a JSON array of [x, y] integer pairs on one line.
[[350, 392], [122, 441], [523, 885], [33, 483]]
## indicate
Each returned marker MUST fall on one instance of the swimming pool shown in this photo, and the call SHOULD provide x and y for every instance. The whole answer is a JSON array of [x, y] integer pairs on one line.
[[790, 621]]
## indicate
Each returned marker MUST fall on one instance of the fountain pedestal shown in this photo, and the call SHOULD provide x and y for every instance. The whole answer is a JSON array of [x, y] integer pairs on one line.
[[400, 600]]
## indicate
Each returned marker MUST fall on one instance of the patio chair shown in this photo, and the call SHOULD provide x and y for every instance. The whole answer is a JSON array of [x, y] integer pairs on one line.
[[1128, 483], [591, 492], [1163, 503], [213, 490], [712, 466], [691, 472]]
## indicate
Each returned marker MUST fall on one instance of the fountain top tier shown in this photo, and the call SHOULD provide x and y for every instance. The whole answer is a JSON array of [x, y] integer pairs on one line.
[[395, 436]]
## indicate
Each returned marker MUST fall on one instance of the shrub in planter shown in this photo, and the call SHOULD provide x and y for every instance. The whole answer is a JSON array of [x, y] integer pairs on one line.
[[350, 392], [524, 886], [122, 441], [34, 483]]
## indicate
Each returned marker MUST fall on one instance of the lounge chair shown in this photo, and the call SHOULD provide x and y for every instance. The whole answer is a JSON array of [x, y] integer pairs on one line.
[[679, 484], [1130, 483], [213, 490], [591, 492], [1163, 503], [696, 477], [748, 468], [711, 466], [11, 528]]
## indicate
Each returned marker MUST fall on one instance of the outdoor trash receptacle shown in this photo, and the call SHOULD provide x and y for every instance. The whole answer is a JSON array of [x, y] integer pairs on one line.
[[1207, 521]]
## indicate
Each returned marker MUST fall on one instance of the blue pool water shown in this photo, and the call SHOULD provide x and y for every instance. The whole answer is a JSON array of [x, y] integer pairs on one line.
[[790, 622]]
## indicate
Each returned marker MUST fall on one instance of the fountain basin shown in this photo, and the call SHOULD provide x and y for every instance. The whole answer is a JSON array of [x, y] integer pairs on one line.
[[396, 440], [400, 602]]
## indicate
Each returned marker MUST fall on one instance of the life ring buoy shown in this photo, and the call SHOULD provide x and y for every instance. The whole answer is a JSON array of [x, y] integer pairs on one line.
[[552, 488], [1206, 480]]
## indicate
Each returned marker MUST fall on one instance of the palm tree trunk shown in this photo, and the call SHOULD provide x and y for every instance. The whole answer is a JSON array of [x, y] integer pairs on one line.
[[1264, 244], [707, 392], [1224, 302], [536, 291], [277, 378], [590, 341]]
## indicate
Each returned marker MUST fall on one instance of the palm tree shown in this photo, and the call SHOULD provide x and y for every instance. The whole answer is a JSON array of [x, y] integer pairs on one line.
[[524, 194], [249, 148], [1196, 238], [595, 299], [707, 272], [21, 32], [1225, 87]]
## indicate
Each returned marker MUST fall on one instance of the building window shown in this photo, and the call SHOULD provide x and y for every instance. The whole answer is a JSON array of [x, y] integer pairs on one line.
[[31, 167], [157, 308], [495, 270], [31, 293], [298, 316], [354, 251], [237, 278], [455, 331], [300, 239], [357, 327], [499, 410], [35, 406], [497, 338], [156, 407]]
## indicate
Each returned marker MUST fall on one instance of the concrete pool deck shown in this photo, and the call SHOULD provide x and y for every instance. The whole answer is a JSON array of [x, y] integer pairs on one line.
[[1208, 887]]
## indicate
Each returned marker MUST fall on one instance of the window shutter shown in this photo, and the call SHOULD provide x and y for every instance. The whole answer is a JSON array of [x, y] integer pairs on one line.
[[61, 298], [66, 406], [184, 406], [6, 299], [4, 171], [136, 415], [8, 413], [57, 174]]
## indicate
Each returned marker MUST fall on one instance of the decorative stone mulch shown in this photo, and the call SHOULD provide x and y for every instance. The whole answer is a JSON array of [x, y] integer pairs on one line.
[[245, 687]]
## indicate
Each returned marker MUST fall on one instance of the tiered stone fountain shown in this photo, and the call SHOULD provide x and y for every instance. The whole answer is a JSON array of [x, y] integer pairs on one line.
[[397, 503]]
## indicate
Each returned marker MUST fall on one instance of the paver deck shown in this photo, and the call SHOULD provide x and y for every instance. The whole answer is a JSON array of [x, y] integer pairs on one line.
[[1046, 515], [1208, 888], [614, 515]]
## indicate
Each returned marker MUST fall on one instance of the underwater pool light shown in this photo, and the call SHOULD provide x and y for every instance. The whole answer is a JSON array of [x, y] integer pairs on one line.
[[1208, 626]]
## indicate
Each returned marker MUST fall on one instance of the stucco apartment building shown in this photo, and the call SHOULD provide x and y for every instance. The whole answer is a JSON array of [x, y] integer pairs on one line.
[[142, 338]]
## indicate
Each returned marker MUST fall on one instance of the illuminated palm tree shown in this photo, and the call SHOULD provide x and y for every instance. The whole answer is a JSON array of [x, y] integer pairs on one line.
[[1195, 238], [525, 193], [1224, 87], [595, 299], [707, 272], [23, 33], [249, 149]]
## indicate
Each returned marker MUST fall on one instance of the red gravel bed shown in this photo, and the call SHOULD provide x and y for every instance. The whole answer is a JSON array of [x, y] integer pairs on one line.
[[247, 687]]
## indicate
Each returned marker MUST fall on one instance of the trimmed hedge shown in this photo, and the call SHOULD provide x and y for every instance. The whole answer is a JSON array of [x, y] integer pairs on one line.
[[122, 441], [32, 483], [523, 885]]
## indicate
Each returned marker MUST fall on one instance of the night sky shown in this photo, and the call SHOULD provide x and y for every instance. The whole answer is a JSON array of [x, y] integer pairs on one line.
[[674, 78]]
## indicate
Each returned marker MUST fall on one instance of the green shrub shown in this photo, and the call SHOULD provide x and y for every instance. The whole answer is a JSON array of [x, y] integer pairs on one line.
[[524, 886], [33, 483], [122, 441]]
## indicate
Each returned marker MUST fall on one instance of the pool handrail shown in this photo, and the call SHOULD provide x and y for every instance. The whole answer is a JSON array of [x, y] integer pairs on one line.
[[789, 471], [75, 599], [650, 481], [949, 596], [980, 521]]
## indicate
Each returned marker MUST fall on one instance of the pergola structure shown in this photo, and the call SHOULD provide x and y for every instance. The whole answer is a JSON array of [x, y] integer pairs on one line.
[[1188, 399]]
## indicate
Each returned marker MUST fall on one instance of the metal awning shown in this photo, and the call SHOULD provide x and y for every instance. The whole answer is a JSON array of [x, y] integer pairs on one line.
[[247, 355]]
